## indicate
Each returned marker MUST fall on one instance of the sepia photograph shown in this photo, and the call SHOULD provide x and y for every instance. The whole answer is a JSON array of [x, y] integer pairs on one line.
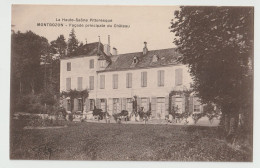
[[132, 83]]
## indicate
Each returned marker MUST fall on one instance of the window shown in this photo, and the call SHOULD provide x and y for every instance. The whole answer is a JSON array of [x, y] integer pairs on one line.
[[68, 105], [143, 79], [91, 63], [135, 60], [102, 81], [155, 58], [91, 104], [196, 108], [160, 78], [145, 104], [79, 104], [129, 105], [102, 63], [79, 83], [68, 83], [178, 77], [115, 81], [91, 83], [129, 80], [68, 66], [178, 105]]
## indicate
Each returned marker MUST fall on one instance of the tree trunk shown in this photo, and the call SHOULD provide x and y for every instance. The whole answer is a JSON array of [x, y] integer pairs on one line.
[[20, 86], [32, 87]]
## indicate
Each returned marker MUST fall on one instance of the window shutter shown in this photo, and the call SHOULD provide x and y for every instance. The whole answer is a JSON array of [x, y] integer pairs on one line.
[[91, 82], [173, 103], [183, 104], [130, 80], [178, 77], [64, 103], [153, 107], [110, 106], [68, 83], [106, 105], [191, 104], [75, 105], [123, 103], [87, 105], [167, 105], [91, 63], [162, 78], [115, 81], [142, 79], [98, 105], [159, 78], [145, 79], [68, 66], [138, 103], [102, 81], [79, 83]]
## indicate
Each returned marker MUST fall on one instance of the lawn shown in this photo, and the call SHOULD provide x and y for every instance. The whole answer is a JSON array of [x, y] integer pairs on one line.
[[100, 141]]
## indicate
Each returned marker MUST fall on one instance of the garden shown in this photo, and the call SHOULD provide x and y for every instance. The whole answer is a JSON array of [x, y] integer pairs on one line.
[[101, 141]]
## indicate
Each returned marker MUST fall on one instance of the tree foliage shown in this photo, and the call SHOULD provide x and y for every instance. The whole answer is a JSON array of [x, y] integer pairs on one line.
[[217, 45], [59, 46], [73, 43], [26, 51]]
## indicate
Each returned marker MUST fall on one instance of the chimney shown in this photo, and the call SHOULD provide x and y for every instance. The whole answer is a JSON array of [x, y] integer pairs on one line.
[[145, 49], [114, 51], [107, 46], [98, 45]]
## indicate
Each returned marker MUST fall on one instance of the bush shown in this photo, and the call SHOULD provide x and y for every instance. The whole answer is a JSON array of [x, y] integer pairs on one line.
[[44, 122], [70, 117]]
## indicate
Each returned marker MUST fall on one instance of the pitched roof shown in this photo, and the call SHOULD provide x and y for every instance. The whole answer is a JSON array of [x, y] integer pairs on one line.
[[125, 61], [90, 49]]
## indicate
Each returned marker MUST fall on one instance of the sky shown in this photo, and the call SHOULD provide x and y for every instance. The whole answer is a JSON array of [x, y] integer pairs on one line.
[[147, 23]]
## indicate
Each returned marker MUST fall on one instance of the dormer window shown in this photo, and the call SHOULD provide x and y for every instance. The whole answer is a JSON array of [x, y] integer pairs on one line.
[[155, 58], [135, 60], [102, 63]]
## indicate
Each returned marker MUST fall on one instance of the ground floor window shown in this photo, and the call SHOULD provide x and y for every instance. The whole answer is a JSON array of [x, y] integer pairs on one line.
[[116, 105], [129, 105], [68, 105], [91, 104], [178, 105], [160, 107], [145, 104], [103, 104], [196, 108], [80, 104]]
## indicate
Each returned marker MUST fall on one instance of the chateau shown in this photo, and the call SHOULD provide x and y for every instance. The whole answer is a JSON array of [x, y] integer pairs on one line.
[[114, 80]]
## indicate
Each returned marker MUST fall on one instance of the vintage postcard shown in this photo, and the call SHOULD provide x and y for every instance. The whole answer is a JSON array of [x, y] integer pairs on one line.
[[132, 83]]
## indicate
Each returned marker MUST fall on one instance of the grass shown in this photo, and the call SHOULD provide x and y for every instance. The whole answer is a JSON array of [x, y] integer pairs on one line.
[[99, 141]]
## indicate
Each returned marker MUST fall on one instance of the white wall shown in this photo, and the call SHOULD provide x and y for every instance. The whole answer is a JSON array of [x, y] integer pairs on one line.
[[80, 68], [152, 88]]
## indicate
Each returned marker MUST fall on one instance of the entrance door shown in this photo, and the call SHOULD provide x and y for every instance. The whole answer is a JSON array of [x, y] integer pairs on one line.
[[178, 105], [129, 106], [145, 104], [103, 105], [160, 110], [116, 105]]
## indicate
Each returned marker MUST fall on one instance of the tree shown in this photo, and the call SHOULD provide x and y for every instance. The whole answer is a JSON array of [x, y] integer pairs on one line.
[[73, 43], [26, 52], [217, 45], [59, 46]]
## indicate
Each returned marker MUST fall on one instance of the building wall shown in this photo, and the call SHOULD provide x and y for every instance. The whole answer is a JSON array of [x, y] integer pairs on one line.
[[154, 93], [79, 68], [152, 88]]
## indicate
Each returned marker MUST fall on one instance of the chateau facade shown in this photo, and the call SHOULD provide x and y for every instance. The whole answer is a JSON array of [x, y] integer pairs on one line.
[[114, 80]]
